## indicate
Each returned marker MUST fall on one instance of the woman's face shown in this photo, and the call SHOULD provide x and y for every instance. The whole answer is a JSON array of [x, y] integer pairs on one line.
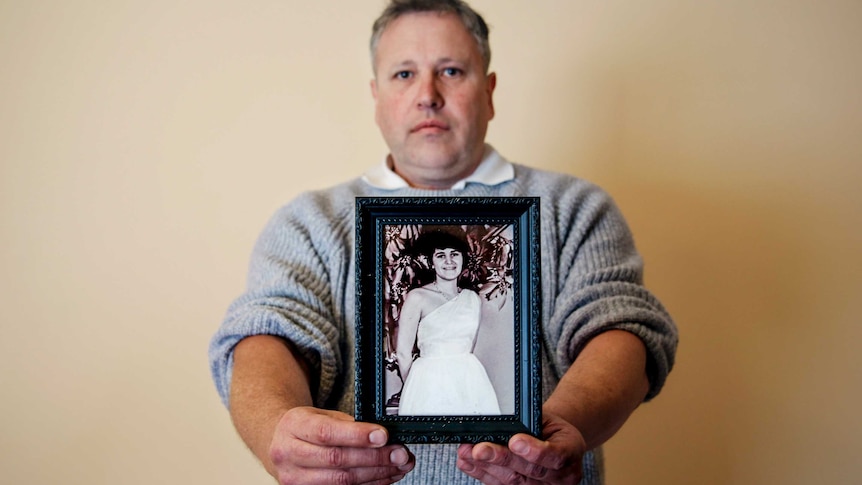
[[447, 263]]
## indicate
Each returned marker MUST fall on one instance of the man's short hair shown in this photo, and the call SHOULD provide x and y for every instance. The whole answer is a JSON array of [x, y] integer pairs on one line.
[[473, 22]]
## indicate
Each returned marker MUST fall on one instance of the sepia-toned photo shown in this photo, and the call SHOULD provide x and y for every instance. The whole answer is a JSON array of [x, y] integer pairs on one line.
[[449, 335], [447, 315]]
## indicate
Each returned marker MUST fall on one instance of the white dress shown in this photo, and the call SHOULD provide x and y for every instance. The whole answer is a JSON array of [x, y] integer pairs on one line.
[[447, 379]]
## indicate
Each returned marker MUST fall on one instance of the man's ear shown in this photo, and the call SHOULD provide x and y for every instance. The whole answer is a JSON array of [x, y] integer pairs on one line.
[[373, 85], [491, 83]]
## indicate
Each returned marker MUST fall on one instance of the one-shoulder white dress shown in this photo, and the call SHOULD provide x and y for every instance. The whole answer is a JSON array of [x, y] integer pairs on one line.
[[447, 379]]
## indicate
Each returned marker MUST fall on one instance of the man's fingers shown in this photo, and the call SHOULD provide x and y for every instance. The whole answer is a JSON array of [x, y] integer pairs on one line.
[[319, 446], [472, 468], [493, 453], [489, 463], [308, 455], [541, 453], [367, 475], [492, 463], [527, 459], [331, 428]]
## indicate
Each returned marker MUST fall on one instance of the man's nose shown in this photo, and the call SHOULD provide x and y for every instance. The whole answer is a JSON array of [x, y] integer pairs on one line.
[[429, 96]]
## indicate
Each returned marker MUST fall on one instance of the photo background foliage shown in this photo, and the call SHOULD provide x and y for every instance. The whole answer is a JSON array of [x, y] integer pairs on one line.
[[488, 270]]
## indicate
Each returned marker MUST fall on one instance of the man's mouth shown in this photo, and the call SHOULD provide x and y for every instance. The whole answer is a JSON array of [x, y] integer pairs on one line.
[[431, 126]]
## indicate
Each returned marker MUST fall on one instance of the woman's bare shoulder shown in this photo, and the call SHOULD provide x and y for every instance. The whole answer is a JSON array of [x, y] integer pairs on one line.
[[422, 297], [420, 293]]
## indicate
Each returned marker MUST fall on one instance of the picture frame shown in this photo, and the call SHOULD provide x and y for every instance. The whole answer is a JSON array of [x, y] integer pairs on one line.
[[396, 262]]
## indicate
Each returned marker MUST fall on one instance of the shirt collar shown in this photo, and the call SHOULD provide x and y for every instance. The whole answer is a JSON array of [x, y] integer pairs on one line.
[[492, 170]]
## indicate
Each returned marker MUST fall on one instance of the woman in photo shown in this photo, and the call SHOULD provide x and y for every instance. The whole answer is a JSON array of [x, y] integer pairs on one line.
[[442, 318]]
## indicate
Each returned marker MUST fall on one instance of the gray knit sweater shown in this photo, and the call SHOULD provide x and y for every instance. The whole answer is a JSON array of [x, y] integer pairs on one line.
[[301, 287]]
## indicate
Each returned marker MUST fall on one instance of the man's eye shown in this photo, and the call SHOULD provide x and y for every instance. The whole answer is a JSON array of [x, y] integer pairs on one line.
[[403, 74], [451, 72]]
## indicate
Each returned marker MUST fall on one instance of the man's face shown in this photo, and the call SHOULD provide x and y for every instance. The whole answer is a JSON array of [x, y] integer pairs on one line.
[[433, 100]]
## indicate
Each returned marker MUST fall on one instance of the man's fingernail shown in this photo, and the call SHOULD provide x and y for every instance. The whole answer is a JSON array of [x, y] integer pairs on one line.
[[398, 456], [377, 437], [484, 454], [519, 447]]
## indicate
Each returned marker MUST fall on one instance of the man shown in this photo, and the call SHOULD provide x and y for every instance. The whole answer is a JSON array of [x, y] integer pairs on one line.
[[283, 358]]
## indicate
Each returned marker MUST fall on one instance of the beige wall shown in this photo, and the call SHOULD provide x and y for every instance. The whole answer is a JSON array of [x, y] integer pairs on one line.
[[144, 143]]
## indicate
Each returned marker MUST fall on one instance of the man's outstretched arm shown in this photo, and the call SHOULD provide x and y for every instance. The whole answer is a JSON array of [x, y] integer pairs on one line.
[[595, 397], [272, 409]]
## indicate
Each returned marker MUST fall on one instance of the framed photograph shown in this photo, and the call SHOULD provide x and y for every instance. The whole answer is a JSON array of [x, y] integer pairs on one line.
[[447, 316]]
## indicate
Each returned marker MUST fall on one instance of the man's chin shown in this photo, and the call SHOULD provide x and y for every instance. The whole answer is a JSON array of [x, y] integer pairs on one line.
[[432, 155], [430, 164]]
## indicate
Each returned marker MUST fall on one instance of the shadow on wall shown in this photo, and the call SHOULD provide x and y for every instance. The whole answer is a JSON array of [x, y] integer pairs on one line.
[[742, 277], [728, 134]]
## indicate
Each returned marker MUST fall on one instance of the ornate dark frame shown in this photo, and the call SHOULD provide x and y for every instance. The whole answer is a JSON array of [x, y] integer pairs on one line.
[[372, 215]]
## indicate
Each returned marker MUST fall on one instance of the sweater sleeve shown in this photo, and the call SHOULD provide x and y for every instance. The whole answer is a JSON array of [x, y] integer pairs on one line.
[[598, 278], [290, 294]]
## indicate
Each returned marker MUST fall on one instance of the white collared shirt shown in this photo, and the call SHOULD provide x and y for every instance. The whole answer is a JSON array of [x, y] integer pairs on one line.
[[492, 170]]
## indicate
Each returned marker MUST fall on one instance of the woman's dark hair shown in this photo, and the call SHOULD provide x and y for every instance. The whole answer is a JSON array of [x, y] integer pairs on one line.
[[433, 240]]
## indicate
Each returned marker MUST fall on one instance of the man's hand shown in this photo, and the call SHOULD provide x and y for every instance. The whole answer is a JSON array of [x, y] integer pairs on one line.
[[528, 460], [316, 446]]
